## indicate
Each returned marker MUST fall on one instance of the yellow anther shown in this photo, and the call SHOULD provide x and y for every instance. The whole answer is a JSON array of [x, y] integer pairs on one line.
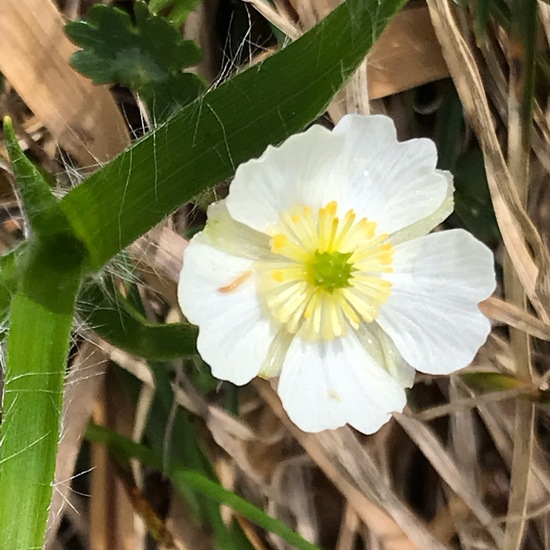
[[278, 242], [331, 208]]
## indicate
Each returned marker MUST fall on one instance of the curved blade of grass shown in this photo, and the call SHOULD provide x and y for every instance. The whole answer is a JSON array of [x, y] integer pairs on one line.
[[183, 478], [203, 144], [116, 320], [49, 273]]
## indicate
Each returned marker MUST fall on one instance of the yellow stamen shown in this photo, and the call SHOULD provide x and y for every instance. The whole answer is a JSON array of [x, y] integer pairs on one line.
[[327, 273], [279, 241]]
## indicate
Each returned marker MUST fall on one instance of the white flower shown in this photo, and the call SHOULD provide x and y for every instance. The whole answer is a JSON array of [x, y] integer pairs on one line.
[[318, 268]]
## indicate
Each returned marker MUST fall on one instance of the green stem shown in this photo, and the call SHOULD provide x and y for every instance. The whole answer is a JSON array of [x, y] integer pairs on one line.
[[37, 349], [44, 277]]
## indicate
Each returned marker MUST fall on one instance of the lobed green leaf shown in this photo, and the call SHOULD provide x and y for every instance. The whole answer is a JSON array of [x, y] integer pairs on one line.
[[147, 57]]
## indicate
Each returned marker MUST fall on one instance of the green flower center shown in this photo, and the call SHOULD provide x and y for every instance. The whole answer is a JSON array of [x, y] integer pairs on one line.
[[330, 270]]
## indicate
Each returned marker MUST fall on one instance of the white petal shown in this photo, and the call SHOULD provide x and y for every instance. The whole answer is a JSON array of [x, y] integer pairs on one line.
[[234, 334], [328, 384], [293, 174], [432, 314], [234, 238], [382, 349], [392, 183], [425, 225]]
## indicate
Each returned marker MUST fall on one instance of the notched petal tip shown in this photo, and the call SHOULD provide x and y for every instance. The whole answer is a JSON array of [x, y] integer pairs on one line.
[[366, 124]]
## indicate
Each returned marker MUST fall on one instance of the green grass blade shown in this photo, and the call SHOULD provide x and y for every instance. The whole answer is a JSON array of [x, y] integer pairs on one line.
[[483, 14], [116, 320], [203, 144], [182, 445], [523, 38], [185, 478], [185, 450], [49, 271], [216, 492], [37, 355]]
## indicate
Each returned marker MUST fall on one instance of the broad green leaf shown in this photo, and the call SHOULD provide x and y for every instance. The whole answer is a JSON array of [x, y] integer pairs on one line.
[[49, 271], [203, 144], [182, 477], [147, 57], [116, 320]]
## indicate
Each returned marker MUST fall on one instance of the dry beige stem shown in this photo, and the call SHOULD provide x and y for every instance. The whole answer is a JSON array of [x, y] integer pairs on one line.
[[35, 60], [503, 312], [445, 523], [277, 17], [515, 225], [187, 533], [519, 163], [112, 515], [348, 529], [499, 421], [508, 184], [158, 258]]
